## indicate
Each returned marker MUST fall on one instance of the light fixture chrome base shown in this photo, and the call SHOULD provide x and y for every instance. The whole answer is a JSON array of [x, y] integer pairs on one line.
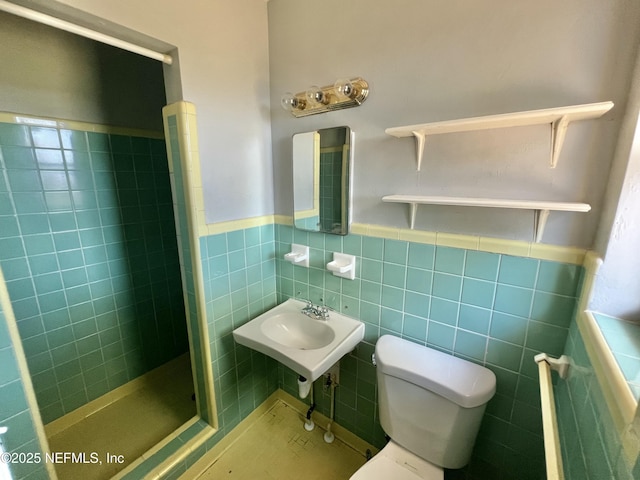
[[343, 94]]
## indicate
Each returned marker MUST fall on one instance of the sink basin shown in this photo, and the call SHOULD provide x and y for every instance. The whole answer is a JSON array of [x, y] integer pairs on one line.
[[301, 333], [306, 345]]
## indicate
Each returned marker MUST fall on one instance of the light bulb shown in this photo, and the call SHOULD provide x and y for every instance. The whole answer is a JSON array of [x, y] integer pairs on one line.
[[344, 88], [316, 96], [290, 102]]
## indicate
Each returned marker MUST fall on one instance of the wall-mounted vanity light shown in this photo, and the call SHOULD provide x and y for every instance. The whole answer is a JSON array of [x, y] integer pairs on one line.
[[345, 93]]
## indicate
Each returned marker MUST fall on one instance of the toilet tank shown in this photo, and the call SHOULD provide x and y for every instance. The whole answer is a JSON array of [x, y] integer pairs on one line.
[[431, 403]]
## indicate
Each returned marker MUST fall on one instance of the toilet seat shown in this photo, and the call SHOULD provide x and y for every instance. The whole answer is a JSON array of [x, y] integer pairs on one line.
[[394, 462]]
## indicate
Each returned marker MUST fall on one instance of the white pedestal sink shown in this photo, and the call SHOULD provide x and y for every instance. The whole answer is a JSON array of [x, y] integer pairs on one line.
[[306, 345]]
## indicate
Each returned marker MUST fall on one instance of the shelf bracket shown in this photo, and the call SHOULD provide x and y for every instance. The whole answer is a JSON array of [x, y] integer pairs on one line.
[[558, 132], [412, 214], [539, 222], [420, 141]]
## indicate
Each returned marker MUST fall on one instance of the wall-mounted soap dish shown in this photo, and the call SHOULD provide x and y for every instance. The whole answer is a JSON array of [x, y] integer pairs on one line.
[[343, 265], [299, 255]]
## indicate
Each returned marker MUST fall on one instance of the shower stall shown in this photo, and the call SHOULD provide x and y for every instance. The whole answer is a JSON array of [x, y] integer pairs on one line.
[[88, 243]]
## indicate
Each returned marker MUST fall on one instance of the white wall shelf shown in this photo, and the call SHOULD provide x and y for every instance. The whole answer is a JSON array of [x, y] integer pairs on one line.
[[541, 208], [559, 119]]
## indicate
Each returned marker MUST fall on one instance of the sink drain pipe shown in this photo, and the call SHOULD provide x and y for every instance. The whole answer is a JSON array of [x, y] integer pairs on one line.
[[306, 388]]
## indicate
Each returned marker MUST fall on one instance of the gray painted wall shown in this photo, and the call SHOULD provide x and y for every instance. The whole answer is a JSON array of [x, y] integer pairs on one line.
[[425, 61], [224, 70], [48, 72], [428, 61]]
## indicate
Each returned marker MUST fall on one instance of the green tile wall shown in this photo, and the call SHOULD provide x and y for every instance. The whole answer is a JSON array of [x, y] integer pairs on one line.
[[495, 310], [15, 413], [88, 248], [240, 284], [591, 448]]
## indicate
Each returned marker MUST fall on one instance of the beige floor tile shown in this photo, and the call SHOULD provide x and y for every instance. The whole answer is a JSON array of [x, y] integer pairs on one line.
[[278, 447], [128, 427]]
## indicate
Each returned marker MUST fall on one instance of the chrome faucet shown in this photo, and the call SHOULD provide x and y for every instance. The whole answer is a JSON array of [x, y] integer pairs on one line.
[[316, 311]]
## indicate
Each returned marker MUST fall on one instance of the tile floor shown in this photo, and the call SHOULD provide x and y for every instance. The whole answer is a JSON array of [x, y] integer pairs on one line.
[[127, 427], [277, 447]]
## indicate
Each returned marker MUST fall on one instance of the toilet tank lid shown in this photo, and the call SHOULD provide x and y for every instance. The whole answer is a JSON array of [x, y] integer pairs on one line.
[[460, 381]]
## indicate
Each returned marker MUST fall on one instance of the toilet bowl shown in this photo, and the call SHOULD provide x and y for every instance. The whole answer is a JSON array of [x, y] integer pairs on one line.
[[430, 405], [395, 463]]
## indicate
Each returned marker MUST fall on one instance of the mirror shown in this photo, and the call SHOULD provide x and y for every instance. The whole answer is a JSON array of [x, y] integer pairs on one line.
[[322, 163]]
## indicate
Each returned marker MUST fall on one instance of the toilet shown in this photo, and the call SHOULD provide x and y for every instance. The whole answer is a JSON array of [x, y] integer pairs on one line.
[[430, 405]]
